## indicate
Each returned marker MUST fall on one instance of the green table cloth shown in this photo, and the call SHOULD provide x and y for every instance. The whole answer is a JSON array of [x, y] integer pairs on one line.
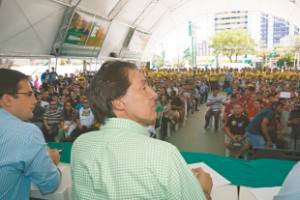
[[251, 173], [65, 148]]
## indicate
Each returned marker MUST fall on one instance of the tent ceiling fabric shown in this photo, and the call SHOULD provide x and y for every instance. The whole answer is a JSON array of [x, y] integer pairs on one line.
[[31, 26], [28, 27], [114, 39], [102, 7]]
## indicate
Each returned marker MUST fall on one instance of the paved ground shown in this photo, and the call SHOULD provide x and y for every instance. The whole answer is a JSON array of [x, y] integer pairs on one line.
[[193, 137]]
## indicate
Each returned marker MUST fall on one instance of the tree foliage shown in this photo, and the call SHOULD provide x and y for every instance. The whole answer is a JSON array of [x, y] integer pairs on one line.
[[159, 60], [286, 60], [233, 42], [297, 43]]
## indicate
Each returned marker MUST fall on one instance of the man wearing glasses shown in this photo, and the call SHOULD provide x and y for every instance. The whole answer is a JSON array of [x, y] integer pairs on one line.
[[24, 156]]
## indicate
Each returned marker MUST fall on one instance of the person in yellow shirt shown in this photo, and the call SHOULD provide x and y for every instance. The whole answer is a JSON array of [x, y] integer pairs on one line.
[[213, 79]]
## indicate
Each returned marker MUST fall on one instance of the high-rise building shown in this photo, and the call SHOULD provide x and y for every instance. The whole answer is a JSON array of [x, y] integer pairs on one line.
[[231, 20], [203, 49], [296, 30], [280, 29], [264, 24], [265, 29]]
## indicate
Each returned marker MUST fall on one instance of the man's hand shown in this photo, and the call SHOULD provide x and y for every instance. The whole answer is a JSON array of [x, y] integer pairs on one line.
[[54, 155], [204, 179]]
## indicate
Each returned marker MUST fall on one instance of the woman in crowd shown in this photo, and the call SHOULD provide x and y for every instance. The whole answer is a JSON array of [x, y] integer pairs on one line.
[[68, 123]]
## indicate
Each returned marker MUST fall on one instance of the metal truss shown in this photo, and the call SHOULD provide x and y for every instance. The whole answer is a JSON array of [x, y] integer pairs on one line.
[[62, 32]]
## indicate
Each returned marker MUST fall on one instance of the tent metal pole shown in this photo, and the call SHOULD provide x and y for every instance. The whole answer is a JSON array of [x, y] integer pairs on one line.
[[115, 11], [55, 64], [60, 2]]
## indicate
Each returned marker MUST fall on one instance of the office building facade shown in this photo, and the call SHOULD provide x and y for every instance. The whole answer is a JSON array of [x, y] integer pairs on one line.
[[265, 29]]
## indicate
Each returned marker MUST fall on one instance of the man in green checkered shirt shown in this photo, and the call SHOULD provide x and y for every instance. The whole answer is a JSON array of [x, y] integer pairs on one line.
[[120, 161]]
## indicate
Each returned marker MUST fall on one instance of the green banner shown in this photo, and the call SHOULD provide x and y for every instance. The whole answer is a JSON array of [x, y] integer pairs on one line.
[[186, 53]]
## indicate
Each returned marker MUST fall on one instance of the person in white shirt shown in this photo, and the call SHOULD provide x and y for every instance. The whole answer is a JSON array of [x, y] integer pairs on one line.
[[85, 120], [215, 104]]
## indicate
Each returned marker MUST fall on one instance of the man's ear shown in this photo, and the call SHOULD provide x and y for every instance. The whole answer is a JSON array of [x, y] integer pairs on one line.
[[118, 104], [6, 100]]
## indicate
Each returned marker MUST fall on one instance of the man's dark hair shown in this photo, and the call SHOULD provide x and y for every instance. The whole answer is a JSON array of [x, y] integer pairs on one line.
[[9, 81], [109, 83], [113, 55]]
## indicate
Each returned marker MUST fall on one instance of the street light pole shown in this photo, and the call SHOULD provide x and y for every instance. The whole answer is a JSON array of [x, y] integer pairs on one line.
[[193, 49]]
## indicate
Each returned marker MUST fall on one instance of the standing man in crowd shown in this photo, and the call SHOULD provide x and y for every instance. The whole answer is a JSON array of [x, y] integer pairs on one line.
[[53, 76], [257, 131], [228, 79], [24, 157], [203, 90], [120, 161], [45, 76]]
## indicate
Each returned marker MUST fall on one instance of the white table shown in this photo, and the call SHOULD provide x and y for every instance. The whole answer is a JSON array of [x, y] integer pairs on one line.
[[264, 193], [222, 188], [63, 191], [220, 191], [225, 192]]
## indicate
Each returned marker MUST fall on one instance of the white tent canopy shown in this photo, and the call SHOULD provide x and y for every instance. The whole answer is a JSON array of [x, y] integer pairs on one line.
[[31, 27]]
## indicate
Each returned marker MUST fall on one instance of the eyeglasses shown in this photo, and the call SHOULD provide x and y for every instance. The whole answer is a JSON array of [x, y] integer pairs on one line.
[[29, 93]]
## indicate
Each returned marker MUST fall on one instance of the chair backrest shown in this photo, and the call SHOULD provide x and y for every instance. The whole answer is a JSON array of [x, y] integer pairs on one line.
[[280, 154]]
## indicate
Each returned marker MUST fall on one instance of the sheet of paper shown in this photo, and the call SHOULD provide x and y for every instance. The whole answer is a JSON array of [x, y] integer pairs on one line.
[[265, 193], [61, 167], [218, 179], [285, 95]]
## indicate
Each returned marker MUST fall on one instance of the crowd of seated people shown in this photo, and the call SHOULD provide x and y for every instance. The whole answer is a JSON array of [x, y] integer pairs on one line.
[[178, 96], [266, 98], [63, 113], [256, 100], [182, 92]]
